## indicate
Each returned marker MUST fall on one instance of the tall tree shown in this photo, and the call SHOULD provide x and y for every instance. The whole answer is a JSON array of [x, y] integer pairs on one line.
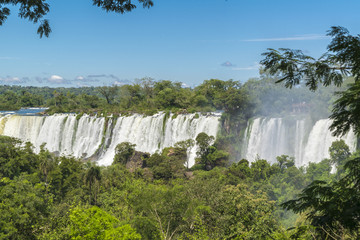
[[92, 179]]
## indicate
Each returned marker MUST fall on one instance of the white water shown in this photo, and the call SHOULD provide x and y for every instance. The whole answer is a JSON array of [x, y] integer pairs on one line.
[[95, 137], [268, 138], [64, 134], [151, 133]]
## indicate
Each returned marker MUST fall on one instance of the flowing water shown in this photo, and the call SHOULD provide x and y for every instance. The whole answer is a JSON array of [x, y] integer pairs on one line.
[[268, 138], [97, 137]]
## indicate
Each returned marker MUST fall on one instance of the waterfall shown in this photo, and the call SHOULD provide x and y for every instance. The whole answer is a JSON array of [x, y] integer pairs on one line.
[[153, 133], [97, 137], [268, 138], [62, 133]]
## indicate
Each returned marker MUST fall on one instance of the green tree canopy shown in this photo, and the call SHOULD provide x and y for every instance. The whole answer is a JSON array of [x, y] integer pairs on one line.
[[95, 223]]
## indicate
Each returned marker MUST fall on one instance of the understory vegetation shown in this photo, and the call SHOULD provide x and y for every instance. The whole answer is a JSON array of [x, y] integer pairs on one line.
[[143, 196]]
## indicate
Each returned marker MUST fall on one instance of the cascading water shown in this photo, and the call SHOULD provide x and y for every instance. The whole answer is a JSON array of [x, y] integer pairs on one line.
[[62, 133], [268, 138], [97, 137], [152, 133]]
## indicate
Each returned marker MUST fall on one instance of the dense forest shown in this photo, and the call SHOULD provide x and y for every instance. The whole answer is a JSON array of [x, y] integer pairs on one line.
[[143, 196]]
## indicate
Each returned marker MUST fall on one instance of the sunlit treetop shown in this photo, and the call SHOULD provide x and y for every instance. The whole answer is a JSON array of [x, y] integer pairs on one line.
[[36, 10]]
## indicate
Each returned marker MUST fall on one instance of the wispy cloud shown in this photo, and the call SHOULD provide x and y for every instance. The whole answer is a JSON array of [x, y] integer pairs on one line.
[[57, 80], [105, 79], [305, 37], [12, 80], [255, 66]]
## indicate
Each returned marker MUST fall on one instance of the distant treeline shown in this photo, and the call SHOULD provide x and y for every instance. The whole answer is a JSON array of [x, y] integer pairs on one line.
[[256, 97]]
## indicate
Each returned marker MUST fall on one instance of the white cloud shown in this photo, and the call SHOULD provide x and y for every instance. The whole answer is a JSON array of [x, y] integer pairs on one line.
[[295, 38], [80, 78], [56, 79]]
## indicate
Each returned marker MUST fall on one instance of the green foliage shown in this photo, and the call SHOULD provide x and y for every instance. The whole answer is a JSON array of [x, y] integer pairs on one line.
[[23, 207], [285, 162], [169, 164], [15, 159], [92, 180], [186, 146], [35, 11], [331, 206], [339, 154], [123, 152], [95, 223], [67, 178], [54, 197], [346, 111], [203, 142]]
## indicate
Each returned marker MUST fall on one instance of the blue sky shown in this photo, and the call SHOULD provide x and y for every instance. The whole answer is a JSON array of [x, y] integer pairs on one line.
[[187, 41]]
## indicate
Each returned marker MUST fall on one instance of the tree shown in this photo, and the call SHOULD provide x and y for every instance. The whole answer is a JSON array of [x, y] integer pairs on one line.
[[187, 145], [46, 164], [95, 223], [23, 207], [108, 93], [123, 152], [284, 162], [203, 142], [343, 58], [15, 159], [92, 179], [339, 153], [36, 10], [70, 179]]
